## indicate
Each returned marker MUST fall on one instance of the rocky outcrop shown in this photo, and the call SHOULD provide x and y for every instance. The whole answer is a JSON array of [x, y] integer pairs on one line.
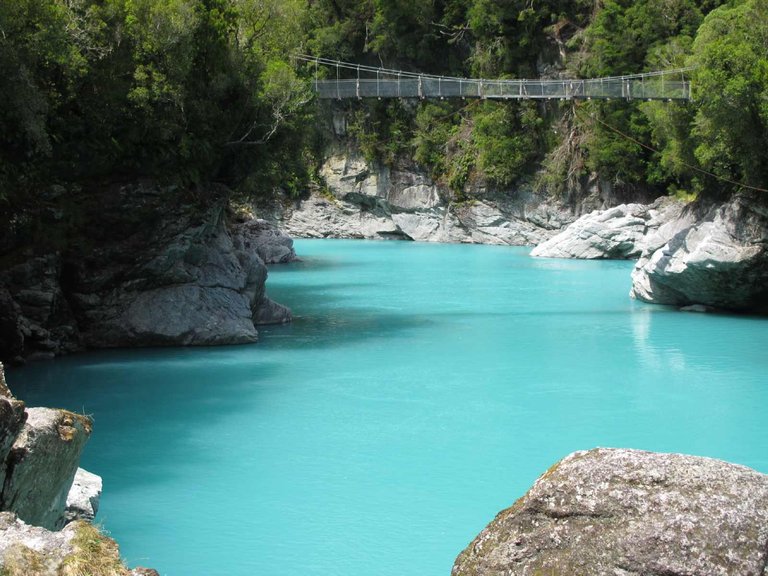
[[41, 466], [271, 245], [627, 512], [620, 232], [77, 549], [713, 255], [153, 272], [83, 497], [364, 200], [40, 449]]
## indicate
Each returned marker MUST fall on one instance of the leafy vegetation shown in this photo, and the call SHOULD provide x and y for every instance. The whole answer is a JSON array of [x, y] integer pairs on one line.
[[187, 92]]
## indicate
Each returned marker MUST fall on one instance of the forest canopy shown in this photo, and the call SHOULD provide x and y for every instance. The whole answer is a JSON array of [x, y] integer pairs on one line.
[[195, 91]]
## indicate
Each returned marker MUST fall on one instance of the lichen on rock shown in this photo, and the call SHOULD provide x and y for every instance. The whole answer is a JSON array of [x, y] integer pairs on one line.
[[629, 512]]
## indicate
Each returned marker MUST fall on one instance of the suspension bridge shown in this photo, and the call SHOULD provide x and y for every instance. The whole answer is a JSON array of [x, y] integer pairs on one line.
[[350, 81]]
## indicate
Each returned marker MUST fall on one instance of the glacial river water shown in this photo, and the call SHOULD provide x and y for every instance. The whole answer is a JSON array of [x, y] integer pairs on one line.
[[421, 389]]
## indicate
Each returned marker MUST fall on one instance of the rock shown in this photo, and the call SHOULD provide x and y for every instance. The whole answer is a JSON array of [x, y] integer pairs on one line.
[[617, 233], [700, 308], [272, 245], [41, 466], [12, 419], [147, 269], [714, 255], [270, 312], [11, 329], [189, 287], [32, 550], [77, 549], [401, 202], [83, 497], [627, 512], [35, 316]]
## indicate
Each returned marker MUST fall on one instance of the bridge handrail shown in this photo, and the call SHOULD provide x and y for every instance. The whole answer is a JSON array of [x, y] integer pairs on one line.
[[405, 74]]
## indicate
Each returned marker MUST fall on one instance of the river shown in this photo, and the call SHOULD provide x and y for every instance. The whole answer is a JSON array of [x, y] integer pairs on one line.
[[421, 389]]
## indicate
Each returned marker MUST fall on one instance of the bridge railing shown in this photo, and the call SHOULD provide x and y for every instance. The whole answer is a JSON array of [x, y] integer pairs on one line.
[[614, 88], [384, 83]]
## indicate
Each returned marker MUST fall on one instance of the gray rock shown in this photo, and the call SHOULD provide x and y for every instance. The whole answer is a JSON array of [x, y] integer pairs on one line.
[[272, 245], [628, 512], [12, 419], [401, 202], [148, 270], [713, 255], [77, 549], [270, 312], [83, 497], [41, 466], [22, 545], [617, 233], [35, 317]]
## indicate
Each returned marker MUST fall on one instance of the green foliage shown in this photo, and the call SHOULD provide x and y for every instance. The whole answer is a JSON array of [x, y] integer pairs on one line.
[[731, 93], [507, 140], [436, 124], [184, 91], [382, 130]]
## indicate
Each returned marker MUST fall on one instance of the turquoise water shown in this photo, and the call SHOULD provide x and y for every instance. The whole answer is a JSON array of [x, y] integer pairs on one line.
[[421, 389]]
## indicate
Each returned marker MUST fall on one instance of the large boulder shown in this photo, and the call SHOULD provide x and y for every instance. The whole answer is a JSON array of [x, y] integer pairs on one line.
[[41, 466], [617, 233], [715, 256], [628, 512]]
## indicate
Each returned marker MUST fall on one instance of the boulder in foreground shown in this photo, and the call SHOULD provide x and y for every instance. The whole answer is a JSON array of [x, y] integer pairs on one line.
[[628, 512]]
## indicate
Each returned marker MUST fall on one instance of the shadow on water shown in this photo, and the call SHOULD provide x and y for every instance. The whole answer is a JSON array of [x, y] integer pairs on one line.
[[153, 403]]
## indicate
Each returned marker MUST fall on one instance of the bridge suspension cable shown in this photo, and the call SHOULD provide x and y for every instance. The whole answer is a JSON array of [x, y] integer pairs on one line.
[[390, 83]]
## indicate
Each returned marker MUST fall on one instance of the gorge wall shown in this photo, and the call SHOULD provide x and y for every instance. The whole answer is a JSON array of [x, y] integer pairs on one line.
[[369, 199], [138, 272]]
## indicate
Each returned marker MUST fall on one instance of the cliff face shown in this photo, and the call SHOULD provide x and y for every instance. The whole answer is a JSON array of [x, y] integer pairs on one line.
[[140, 273], [629, 512], [370, 200]]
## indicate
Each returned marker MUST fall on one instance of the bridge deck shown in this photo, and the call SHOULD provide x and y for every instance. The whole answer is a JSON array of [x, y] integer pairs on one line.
[[372, 82], [606, 89]]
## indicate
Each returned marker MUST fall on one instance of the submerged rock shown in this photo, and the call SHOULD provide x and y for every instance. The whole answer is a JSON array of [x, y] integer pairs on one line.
[[41, 466], [617, 233], [626, 512], [714, 255]]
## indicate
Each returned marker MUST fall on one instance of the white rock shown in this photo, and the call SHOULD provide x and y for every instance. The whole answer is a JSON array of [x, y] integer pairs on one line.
[[83, 498]]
